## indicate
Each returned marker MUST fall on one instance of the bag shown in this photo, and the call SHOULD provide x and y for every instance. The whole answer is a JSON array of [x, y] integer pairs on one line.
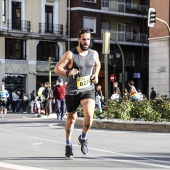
[[35, 109], [134, 96]]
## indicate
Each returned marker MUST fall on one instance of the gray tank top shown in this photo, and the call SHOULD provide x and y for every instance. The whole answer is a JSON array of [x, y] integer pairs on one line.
[[85, 65]]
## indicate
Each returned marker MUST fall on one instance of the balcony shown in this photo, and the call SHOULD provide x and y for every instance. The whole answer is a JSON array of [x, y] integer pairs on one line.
[[50, 28], [19, 25], [127, 37], [116, 6]]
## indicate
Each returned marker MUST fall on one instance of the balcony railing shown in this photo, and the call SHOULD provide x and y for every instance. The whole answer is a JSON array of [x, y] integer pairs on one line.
[[50, 28], [117, 6], [19, 25], [127, 36]]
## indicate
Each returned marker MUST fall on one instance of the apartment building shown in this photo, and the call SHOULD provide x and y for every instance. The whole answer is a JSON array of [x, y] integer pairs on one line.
[[31, 31], [126, 20], [159, 49]]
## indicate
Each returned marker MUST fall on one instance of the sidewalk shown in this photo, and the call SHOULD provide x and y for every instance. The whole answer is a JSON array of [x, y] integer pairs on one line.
[[124, 125], [115, 124], [128, 125]]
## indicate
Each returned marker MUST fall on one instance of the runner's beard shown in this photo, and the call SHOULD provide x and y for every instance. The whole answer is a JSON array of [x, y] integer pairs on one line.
[[83, 47]]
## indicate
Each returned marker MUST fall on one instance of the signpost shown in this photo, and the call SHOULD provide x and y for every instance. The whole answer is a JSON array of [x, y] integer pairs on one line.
[[112, 78]]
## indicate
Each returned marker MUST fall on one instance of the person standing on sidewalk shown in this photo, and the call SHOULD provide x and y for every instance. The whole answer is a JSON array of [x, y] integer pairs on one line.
[[47, 99], [3, 100], [82, 68], [59, 98]]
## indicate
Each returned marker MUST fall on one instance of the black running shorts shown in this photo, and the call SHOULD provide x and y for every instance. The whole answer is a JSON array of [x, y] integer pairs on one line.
[[73, 101]]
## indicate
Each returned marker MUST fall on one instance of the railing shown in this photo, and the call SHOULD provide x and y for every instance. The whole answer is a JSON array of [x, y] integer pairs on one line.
[[50, 28], [116, 6], [19, 25], [127, 36]]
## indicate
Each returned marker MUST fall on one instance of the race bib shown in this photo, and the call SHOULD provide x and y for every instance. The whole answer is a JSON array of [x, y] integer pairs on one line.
[[83, 82]]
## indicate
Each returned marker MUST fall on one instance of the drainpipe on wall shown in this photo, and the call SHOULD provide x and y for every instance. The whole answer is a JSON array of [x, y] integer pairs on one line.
[[68, 25]]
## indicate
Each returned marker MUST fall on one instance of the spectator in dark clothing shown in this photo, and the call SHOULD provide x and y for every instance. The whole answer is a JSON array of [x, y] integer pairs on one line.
[[47, 102], [153, 94], [59, 97], [32, 96]]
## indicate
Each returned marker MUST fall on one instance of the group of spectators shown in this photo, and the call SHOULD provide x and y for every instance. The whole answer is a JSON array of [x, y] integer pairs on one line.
[[50, 99], [131, 94], [17, 100]]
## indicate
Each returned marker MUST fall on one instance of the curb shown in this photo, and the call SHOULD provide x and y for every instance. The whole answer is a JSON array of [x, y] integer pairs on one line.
[[128, 126]]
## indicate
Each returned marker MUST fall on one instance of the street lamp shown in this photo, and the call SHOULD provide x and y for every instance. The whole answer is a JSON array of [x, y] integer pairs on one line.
[[121, 54]]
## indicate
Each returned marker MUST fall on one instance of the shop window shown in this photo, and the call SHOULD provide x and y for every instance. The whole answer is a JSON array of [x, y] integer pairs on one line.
[[46, 50], [15, 49], [14, 82]]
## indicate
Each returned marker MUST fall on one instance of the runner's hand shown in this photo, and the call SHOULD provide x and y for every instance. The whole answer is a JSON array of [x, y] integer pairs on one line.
[[94, 79]]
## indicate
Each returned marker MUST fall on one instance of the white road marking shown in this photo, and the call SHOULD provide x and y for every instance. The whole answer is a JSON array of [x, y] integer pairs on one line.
[[18, 167], [35, 143]]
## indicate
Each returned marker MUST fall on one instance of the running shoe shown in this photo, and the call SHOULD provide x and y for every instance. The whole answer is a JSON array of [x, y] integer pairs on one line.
[[69, 153], [83, 143]]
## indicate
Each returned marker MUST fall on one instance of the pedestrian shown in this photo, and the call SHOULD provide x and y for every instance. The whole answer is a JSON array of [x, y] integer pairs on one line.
[[99, 97], [125, 94], [3, 100], [140, 94], [116, 88], [115, 95], [133, 94], [19, 100], [59, 98], [82, 68], [32, 96], [53, 101], [15, 97], [152, 94], [24, 102], [40, 92], [47, 98]]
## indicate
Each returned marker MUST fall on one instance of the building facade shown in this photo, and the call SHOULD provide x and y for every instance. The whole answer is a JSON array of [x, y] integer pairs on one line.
[[126, 20], [159, 49], [31, 31]]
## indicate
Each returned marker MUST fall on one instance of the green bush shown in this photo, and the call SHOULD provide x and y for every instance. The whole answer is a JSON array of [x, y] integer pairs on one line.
[[147, 110]]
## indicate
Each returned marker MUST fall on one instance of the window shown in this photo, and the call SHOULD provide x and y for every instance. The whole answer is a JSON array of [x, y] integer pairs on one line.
[[129, 59], [4, 11], [90, 23], [121, 32], [15, 82], [106, 3], [16, 15], [46, 50], [49, 19], [106, 25], [15, 49], [92, 1]]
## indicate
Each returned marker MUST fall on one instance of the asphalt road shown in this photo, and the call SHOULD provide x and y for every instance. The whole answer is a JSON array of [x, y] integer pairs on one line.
[[30, 143]]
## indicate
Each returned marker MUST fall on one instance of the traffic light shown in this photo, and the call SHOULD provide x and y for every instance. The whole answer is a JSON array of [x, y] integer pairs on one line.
[[120, 77], [51, 64], [151, 17]]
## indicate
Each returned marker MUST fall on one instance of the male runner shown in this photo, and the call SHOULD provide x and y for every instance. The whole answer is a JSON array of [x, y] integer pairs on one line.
[[83, 67]]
